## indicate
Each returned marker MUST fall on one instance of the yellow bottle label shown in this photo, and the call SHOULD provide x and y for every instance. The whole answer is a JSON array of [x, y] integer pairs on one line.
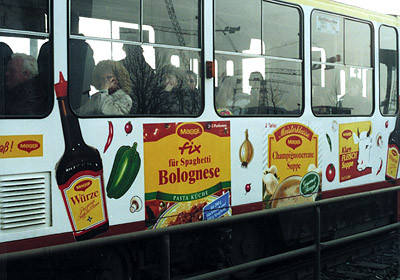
[[392, 164], [84, 200]]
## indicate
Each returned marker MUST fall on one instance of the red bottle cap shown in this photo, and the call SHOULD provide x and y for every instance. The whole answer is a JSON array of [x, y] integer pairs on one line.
[[61, 87]]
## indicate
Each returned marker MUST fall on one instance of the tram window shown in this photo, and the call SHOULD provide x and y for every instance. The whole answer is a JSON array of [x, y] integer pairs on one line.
[[342, 80], [131, 68], [262, 75], [237, 27], [388, 70], [25, 76]]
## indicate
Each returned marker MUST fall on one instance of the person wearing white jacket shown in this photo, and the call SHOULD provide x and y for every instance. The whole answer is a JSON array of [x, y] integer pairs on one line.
[[112, 80]]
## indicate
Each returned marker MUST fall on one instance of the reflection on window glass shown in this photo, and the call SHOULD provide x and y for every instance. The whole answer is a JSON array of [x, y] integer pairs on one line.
[[264, 86], [24, 15], [25, 71], [120, 75], [172, 22], [118, 19], [269, 81], [281, 37], [357, 34], [341, 90], [341, 87], [388, 69], [327, 37], [283, 86], [234, 29]]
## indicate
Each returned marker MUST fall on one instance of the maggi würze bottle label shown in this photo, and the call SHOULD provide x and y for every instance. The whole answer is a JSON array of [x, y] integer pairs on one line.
[[84, 200]]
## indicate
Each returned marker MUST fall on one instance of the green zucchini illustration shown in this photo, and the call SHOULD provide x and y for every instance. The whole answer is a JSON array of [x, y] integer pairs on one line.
[[124, 171], [329, 141]]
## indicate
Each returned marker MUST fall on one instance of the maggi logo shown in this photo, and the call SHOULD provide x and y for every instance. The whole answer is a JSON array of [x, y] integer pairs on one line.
[[29, 145], [294, 142], [347, 134], [189, 131], [82, 186]]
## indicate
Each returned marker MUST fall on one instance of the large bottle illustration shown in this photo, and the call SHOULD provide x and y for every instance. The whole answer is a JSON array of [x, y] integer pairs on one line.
[[393, 153], [79, 175]]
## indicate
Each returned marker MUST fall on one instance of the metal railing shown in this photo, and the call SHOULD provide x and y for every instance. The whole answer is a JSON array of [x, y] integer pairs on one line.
[[165, 234]]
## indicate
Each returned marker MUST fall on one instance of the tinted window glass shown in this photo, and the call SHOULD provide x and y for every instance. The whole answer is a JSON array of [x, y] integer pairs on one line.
[[357, 43], [24, 15], [341, 71], [237, 27], [340, 90], [117, 19], [388, 70], [25, 69], [263, 73], [327, 37], [171, 22], [281, 37], [119, 75]]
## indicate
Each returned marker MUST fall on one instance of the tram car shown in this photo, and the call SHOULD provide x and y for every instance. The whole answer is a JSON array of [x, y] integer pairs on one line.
[[133, 116]]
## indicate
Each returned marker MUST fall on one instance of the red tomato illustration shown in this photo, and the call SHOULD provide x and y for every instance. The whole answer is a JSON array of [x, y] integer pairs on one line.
[[330, 172]]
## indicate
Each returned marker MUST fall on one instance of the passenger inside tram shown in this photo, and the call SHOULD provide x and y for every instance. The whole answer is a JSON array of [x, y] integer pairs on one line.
[[5, 55], [224, 93], [81, 65], [24, 94], [194, 95], [112, 81], [353, 98], [142, 76], [174, 95], [192, 80], [230, 96]]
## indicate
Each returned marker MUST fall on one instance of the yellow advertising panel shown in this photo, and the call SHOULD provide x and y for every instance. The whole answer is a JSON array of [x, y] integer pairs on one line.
[[16, 146], [292, 175], [187, 171], [355, 144]]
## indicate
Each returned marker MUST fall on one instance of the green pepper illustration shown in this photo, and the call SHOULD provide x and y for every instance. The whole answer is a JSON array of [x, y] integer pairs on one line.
[[124, 171]]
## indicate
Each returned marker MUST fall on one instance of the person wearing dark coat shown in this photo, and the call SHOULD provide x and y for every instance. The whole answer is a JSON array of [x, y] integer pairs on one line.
[[143, 78], [5, 56], [80, 67], [24, 94]]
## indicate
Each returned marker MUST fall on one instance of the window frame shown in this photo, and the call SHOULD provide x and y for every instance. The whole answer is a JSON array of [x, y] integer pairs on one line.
[[343, 59], [379, 68], [142, 42], [49, 36], [262, 55]]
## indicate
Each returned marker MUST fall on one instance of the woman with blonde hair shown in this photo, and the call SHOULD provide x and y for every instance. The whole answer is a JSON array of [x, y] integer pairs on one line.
[[112, 81]]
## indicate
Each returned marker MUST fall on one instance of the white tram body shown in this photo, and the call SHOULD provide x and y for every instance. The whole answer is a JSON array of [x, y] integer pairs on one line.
[[216, 152]]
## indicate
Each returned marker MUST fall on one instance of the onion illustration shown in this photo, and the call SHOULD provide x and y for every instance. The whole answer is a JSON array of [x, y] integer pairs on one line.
[[246, 151]]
